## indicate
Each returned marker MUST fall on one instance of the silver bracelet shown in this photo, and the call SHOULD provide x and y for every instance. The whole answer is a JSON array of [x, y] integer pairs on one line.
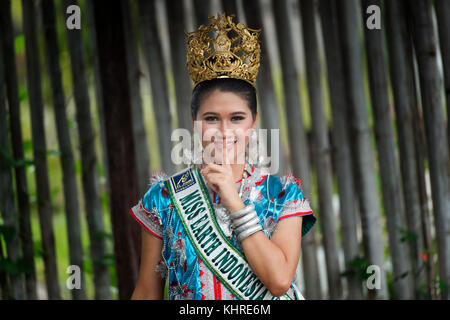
[[253, 222], [244, 219], [242, 212], [249, 232]]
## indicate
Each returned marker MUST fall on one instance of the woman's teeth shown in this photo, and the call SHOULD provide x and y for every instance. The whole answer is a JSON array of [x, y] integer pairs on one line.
[[229, 145]]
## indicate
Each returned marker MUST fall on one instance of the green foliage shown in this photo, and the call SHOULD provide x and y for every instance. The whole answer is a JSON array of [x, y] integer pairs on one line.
[[15, 268], [19, 44], [23, 94], [423, 294], [8, 232], [109, 260], [390, 284], [105, 200], [23, 162], [103, 235], [71, 123], [406, 235], [54, 193], [38, 250], [100, 170], [358, 266], [442, 286], [27, 146], [78, 167], [53, 153], [87, 265], [7, 158]]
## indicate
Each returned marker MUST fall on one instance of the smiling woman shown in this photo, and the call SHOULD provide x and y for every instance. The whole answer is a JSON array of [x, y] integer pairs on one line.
[[239, 87], [222, 230], [225, 110]]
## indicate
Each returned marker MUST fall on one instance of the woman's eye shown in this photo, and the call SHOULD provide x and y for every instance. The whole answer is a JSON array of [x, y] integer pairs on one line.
[[211, 118], [237, 118]]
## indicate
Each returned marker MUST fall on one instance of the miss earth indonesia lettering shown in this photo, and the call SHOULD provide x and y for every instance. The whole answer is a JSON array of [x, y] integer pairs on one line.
[[232, 268]]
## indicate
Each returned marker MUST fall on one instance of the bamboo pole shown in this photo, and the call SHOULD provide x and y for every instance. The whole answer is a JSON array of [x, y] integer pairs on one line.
[[40, 148], [321, 146], [389, 171], [183, 88], [202, 9], [443, 14], [438, 154], [297, 137], [26, 237], [119, 134], [403, 90], [92, 34], [65, 145], [230, 7], [341, 142], [4, 285], [134, 75], [361, 143], [152, 49], [89, 174], [7, 203], [269, 112]]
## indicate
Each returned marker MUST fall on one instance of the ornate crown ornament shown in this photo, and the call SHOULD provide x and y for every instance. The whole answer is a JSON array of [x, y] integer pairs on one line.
[[223, 49]]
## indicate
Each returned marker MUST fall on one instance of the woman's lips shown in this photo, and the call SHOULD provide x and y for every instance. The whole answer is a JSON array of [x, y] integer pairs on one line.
[[229, 145]]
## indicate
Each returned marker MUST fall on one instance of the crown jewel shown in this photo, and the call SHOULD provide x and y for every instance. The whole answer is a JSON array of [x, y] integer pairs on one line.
[[223, 49]]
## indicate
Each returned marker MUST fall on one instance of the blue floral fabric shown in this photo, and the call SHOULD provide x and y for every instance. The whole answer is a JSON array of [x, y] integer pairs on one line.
[[275, 198]]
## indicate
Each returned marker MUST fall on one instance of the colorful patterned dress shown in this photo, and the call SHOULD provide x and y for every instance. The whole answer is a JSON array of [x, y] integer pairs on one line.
[[275, 198]]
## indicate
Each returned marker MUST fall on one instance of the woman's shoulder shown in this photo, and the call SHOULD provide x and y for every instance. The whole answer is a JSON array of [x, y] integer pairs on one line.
[[156, 184], [157, 195], [284, 188], [151, 210], [294, 203]]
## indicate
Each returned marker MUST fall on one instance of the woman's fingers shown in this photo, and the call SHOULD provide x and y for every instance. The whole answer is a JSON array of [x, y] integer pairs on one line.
[[212, 167], [226, 163], [213, 180], [225, 155], [213, 177]]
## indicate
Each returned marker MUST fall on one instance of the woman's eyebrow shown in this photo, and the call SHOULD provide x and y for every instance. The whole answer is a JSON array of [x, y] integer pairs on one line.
[[216, 114], [239, 112], [210, 113]]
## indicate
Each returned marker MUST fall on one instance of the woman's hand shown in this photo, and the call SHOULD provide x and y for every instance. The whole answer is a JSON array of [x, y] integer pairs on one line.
[[220, 179]]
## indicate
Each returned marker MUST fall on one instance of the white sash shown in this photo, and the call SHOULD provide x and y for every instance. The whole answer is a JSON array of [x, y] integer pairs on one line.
[[193, 205]]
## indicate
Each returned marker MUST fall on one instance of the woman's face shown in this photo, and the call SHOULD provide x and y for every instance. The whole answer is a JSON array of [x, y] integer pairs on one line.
[[226, 123]]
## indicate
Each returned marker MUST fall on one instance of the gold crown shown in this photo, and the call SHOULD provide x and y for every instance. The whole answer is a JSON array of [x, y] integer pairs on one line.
[[223, 49]]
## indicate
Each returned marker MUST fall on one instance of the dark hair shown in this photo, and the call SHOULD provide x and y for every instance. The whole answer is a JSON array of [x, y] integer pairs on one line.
[[240, 87]]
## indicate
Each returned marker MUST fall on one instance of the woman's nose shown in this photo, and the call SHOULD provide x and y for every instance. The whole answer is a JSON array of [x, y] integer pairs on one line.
[[225, 129]]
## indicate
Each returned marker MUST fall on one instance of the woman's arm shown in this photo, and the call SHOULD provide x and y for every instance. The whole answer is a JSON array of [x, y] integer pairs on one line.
[[275, 260], [150, 285]]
